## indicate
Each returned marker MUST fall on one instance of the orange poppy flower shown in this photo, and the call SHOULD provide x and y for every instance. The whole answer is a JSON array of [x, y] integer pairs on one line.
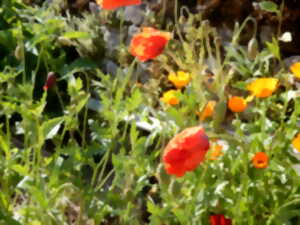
[[208, 110], [149, 43], [169, 97], [260, 160], [263, 87], [113, 4], [219, 219], [296, 142], [237, 104], [185, 151]]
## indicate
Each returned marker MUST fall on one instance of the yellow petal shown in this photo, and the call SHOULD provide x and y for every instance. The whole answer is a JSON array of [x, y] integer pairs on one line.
[[295, 68]]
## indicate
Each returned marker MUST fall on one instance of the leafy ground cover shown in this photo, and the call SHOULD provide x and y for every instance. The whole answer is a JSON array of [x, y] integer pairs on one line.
[[152, 112]]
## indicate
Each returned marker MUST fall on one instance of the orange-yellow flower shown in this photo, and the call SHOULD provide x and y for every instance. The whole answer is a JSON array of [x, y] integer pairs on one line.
[[295, 68], [208, 110], [113, 4], [170, 97], [149, 43], [260, 160], [263, 87], [180, 80], [185, 151], [216, 152], [237, 104], [296, 142]]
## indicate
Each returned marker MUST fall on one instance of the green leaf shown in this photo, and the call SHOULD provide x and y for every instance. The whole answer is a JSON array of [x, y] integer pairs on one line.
[[8, 219], [6, 39], [153, 209], [4, 145], [81, 101], [77, 65], [22, 170], [273, 47], [269, 6], [76, 34], [51, 127]]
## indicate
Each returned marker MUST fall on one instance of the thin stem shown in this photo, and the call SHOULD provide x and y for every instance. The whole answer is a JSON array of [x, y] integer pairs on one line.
[[176, 22], [104, 180], [85, 111], [8, 135], [59, 98]]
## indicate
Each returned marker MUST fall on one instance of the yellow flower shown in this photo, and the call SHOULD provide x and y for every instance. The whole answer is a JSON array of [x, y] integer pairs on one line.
[[295, 68], [208, 110], [169, 97], [180, 80], [296, 142], [237, 104], [216, 152], [263, 87]]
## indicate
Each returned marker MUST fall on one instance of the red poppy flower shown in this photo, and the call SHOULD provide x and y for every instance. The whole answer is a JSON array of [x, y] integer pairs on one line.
[[149, 43], [219, 219], [113, 4], [50, 82], [185, 151]]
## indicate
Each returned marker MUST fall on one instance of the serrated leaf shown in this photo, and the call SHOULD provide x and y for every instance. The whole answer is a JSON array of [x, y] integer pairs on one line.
[[268, 6], [51, 127]]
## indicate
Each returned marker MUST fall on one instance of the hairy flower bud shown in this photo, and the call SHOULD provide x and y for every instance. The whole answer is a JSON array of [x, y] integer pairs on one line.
[[50, 82]]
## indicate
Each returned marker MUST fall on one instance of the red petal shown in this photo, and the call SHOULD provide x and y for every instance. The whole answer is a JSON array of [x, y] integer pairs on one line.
[[175, 169], [225, 221], [193, 161], [215, 220], [175, 155], [186, 151], [113, 4]]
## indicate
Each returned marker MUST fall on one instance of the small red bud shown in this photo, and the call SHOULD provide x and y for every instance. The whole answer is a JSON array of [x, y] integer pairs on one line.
[[50, 82]]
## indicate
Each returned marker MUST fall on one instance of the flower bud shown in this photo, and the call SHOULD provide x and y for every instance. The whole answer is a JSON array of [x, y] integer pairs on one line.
[[19, 52], [162, 176], [50, 82], [64, 41], [252, 48], [219, 115], [174, 188]]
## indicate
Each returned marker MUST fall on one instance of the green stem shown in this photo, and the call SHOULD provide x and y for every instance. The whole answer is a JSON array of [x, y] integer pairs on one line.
[[85, 112], [176, 22], [59, 98]]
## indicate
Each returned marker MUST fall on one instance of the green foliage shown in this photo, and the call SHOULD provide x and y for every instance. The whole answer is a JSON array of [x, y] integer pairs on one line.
[[269, 6]]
